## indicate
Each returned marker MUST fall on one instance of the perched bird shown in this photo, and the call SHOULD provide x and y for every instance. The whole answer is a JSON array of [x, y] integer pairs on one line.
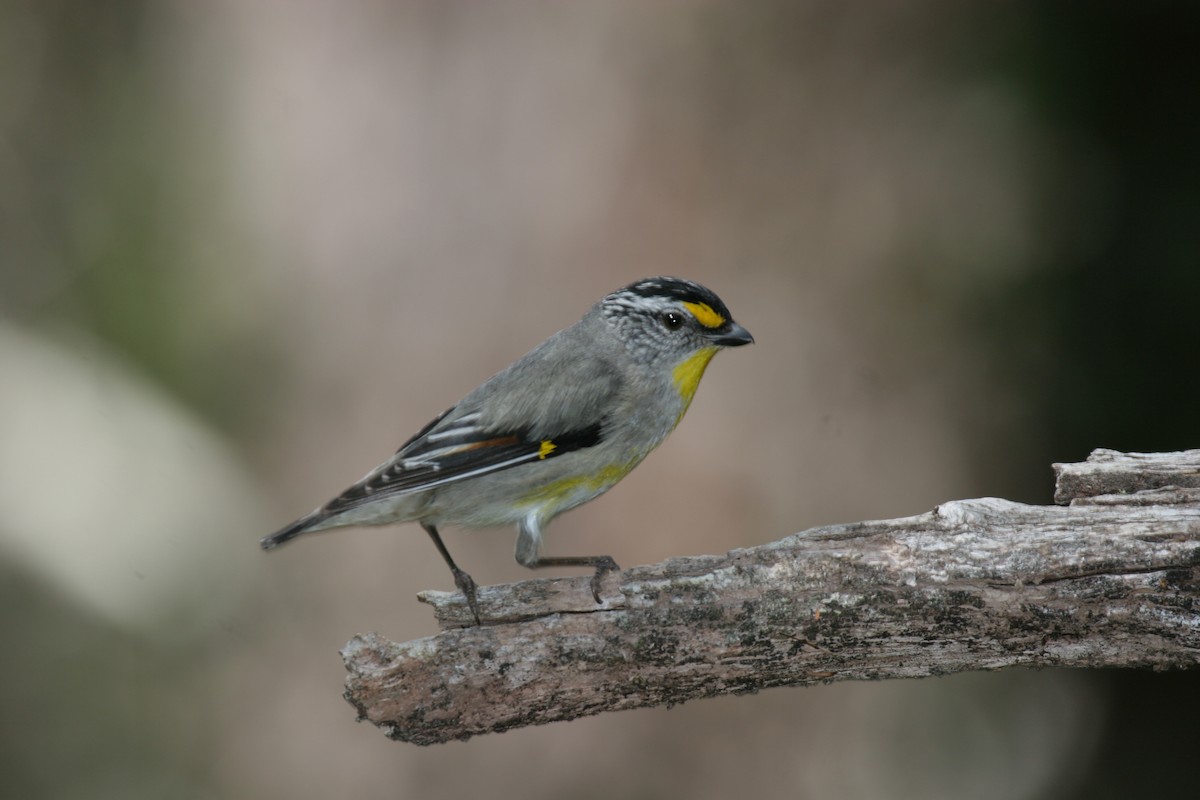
[[557, 428]]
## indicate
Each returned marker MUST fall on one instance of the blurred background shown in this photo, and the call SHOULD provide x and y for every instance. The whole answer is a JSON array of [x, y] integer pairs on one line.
[[246, 249]]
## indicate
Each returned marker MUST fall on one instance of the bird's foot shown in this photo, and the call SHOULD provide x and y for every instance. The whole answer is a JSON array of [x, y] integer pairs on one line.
[[603, 565], [466, 585]]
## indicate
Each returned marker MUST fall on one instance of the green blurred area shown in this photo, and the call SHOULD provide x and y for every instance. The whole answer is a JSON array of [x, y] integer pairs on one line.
[[93, 712], [1100, 335], [114, 214], [115, 220]]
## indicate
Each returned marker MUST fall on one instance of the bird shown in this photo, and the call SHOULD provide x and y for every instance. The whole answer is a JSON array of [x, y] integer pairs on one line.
[[558, 427]]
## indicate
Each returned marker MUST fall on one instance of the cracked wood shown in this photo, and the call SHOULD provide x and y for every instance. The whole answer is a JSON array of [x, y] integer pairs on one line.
[[1108, 581]]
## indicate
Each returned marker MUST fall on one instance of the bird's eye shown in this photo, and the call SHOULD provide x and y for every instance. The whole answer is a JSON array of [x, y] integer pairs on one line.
[[672, 320]]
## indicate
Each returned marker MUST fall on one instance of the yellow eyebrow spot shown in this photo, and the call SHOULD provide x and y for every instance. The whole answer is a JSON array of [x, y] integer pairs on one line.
[[705, 315], [547, 448]]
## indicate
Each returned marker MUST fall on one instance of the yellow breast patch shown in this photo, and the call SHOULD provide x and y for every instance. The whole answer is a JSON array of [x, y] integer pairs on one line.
[[688, 373]]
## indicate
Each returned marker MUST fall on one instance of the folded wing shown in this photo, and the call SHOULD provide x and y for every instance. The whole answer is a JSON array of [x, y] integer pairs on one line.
[[456, 452]]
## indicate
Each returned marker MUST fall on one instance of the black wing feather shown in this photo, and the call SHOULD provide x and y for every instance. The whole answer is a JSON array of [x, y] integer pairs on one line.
[[431, 460]]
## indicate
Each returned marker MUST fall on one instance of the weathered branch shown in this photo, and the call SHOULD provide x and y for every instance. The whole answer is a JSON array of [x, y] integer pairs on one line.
[[1112, 580]]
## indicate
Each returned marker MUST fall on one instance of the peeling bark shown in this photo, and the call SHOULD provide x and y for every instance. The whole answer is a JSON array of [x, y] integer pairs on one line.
[[1111, 472], [1112, 580]]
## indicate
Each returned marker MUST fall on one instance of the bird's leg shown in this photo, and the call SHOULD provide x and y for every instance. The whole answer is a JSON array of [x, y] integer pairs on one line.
[[529, 545], [602, 565], [464, 582]]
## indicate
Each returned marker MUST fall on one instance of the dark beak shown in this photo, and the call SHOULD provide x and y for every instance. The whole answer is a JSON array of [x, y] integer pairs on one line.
[[733, 336]]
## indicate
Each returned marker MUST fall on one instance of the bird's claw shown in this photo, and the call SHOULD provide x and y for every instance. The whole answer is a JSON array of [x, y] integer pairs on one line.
[[604, 564], [466, 585]]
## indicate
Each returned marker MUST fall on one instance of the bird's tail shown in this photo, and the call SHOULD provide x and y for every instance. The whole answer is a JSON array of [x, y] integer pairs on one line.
[[286, 534]]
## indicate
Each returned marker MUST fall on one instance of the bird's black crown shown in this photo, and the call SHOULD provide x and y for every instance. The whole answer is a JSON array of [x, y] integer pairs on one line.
[[679, 289]]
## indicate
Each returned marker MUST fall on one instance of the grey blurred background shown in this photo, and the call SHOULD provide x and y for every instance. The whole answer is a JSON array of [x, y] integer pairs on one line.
[[247, 248]]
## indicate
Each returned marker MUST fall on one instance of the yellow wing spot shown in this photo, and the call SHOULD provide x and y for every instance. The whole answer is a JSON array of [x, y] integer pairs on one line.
[[547, 448], [705, 315]]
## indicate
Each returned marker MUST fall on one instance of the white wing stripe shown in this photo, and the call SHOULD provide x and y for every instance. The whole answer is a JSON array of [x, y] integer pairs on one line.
[[450, 432], [464, 475]]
